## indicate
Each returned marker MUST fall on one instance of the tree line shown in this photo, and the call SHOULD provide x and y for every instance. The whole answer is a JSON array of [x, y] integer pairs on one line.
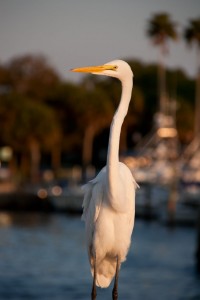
[[46, 119]]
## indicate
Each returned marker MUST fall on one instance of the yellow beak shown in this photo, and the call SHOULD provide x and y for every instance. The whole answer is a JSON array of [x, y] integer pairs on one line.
[[95, 69]]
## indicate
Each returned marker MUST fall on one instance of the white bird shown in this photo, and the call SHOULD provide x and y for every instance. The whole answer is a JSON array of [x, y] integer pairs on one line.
[[109, 199]]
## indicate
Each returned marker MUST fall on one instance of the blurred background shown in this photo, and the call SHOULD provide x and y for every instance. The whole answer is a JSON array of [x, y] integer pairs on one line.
[[54, 137]]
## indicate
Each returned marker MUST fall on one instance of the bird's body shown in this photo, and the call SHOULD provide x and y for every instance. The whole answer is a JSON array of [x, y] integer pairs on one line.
[[108, 227], [109, 201]]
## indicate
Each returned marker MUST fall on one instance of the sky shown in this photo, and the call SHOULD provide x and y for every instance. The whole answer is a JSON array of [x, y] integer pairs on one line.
[[74, 33]]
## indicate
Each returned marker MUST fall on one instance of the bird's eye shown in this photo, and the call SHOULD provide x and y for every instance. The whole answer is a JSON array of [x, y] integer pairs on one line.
[[115, 68]]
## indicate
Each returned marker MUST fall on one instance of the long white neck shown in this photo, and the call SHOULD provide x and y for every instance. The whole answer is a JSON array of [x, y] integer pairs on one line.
[[115, 130]]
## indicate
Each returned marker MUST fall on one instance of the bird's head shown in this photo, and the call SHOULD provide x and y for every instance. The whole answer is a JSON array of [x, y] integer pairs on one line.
[[116, 68]]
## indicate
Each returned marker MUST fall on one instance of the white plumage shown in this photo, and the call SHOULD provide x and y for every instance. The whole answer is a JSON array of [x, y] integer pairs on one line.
[[109, 201], [108, 228]]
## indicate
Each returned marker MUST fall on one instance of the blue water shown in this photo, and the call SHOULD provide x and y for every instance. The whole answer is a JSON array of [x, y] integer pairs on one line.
[[43, 257]]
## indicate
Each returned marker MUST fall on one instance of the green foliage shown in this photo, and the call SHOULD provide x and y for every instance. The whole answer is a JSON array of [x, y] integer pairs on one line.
[[161, 28], [36, 104], [185, 120], [23, 119], [192, 32], [31, 76]]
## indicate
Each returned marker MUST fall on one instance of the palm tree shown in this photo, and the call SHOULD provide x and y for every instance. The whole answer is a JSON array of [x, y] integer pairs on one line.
[[161, 29], [192, 37]]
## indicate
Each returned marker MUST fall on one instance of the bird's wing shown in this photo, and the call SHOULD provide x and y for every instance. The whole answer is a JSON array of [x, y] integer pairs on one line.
[[93, 197], [87, 189]]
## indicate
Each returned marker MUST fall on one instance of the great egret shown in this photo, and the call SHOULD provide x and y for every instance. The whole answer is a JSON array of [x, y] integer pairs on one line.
[[109, 199]]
